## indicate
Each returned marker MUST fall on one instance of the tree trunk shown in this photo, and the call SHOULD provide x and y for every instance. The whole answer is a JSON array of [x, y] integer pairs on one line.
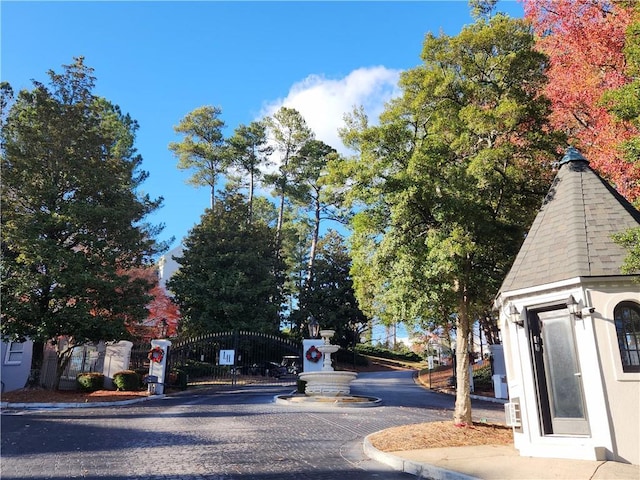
[[314, 242], [63, 356], [462, 412], [280, 221], [251, 182]]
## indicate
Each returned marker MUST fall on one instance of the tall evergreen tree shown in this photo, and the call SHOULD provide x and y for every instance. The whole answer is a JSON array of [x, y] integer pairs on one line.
[[227, 274], [72, 216], [203, 149], [289, 132], [249, 152], [310, 190], [330, 296]]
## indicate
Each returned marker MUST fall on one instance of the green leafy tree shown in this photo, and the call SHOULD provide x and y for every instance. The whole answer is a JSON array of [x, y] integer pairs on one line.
[[330, 296], [248, 152], [203, 149], [72, 217], [226, 278], [450, 180]]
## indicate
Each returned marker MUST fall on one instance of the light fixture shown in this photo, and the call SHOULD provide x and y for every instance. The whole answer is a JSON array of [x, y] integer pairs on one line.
[[163, 328], [574, 307], [515, 316], [314, 327]]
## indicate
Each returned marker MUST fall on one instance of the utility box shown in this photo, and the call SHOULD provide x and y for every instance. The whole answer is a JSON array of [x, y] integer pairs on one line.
[[500, 386]]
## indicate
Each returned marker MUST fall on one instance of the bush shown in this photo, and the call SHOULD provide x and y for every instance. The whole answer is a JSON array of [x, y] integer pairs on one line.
[[178, 378], [346, 357], [405, 354], [196, 369], [90, 381], [127, 380], [482, 377]]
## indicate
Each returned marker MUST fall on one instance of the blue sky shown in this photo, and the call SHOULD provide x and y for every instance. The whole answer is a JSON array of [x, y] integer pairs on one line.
[[160, 60]]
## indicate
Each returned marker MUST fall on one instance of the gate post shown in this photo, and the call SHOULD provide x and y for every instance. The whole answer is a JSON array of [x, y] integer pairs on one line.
[[158, 365]]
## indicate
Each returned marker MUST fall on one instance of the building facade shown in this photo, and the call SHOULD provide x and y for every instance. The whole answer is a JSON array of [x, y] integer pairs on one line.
[[570, 322]]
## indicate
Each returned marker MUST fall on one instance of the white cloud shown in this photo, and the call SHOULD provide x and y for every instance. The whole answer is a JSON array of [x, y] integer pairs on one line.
[[323, 102]]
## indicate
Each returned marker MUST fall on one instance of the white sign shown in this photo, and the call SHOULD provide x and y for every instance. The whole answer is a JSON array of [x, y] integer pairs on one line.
[[226, 357], [430, 360]]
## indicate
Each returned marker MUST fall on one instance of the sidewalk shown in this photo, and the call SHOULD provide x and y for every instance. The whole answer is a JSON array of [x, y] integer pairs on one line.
[[492, 462], [496, 462]]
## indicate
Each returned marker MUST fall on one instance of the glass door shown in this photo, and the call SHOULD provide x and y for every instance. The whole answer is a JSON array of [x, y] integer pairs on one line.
[[558, 377]]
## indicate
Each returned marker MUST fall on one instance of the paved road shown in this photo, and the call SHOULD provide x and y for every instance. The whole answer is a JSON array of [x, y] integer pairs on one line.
[[223, 435]]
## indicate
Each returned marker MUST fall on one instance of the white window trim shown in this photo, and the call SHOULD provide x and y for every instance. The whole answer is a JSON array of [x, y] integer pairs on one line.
[[11, 350]]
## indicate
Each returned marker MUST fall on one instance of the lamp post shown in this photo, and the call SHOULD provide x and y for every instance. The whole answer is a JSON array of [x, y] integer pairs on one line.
[[163, 328], [314, 327]]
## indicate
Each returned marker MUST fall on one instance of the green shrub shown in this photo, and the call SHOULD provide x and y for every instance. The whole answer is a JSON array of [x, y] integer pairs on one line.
[[127, 380], [90, 381], [196, 369], [178, 378], [346, 357], [482, 377], [404, 354]]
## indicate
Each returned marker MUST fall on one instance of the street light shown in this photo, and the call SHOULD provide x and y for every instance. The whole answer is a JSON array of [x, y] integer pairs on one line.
[[314, 327]]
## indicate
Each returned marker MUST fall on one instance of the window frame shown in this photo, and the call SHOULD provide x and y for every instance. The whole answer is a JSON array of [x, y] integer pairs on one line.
[[11, 350], [622, 334]]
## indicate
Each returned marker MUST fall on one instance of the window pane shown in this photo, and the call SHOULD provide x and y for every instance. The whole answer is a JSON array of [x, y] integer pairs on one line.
[[14, 353], [627, 321], [561, 362]]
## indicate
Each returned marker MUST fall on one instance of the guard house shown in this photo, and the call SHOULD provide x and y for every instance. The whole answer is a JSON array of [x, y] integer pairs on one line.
[[570, 324]]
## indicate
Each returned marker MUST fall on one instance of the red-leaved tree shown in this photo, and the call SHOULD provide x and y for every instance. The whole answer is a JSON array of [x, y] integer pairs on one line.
[[584, 40], [161, 308]]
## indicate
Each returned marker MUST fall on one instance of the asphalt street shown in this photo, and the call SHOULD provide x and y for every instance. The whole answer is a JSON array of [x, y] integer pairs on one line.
[[230, 434]]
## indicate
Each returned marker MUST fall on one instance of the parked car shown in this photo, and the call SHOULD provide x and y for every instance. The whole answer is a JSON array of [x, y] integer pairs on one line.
[[292, 364], [272, 369]]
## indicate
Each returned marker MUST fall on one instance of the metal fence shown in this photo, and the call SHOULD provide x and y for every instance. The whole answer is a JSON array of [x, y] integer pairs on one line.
[[236, 357]]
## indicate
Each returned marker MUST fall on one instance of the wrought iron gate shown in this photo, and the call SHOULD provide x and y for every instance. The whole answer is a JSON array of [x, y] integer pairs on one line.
[[256, 358]]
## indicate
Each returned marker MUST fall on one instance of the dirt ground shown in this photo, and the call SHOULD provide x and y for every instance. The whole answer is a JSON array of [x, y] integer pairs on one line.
[[406, 437]]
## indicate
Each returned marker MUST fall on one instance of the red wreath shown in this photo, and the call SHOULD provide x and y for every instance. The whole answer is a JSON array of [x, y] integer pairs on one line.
[[156, 354], [313, 354]]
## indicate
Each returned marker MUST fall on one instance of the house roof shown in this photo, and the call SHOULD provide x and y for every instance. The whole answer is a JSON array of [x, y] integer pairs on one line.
[[571, 235]]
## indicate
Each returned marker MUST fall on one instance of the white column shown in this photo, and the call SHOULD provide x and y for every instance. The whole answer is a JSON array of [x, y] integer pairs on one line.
[[158, 369], [308, 365]]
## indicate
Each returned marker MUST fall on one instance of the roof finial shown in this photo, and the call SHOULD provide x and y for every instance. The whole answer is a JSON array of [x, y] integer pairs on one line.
[[572, 154]]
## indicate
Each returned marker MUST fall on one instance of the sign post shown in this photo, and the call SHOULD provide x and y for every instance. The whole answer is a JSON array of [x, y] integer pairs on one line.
[[227, 357], [430, 362]]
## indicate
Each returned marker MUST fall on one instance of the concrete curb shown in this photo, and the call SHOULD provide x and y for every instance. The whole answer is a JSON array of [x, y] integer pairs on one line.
[[418, 469], [40, 406]]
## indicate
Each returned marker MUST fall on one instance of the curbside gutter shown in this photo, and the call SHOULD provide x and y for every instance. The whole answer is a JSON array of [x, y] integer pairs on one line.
[[418, 469]]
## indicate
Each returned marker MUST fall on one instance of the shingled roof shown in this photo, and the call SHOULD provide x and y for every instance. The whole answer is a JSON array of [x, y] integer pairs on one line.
[[571, 235]]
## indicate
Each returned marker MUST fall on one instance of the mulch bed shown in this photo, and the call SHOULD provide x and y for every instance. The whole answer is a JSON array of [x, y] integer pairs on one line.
[[440, 435], [40, 395]]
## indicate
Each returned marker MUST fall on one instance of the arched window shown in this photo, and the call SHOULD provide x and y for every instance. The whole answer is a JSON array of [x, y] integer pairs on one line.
[[627, 319]]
